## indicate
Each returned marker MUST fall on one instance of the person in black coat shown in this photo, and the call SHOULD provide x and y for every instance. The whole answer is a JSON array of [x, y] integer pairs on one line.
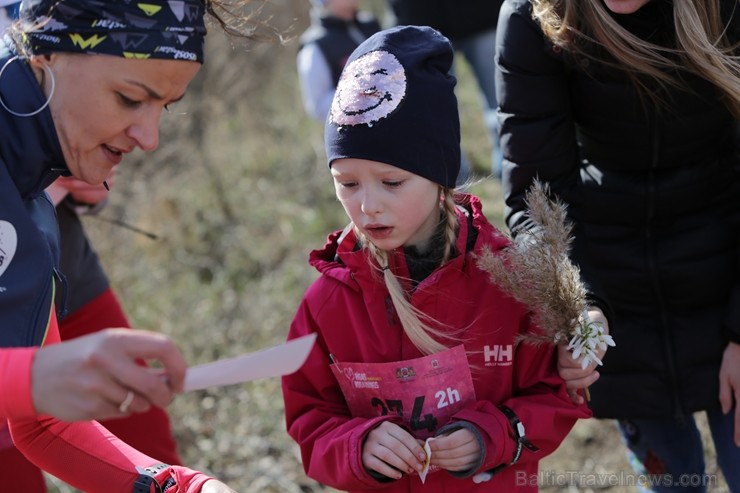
[[629, 111]]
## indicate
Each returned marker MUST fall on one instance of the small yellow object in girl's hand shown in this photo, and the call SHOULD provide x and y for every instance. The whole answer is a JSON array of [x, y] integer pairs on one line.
[[427, 461]]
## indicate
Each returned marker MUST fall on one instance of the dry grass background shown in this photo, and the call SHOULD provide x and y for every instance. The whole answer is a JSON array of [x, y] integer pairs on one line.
[[237, 194]]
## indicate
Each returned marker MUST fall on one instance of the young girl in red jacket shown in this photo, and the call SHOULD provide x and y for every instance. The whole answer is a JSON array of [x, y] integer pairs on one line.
[[418, 379]]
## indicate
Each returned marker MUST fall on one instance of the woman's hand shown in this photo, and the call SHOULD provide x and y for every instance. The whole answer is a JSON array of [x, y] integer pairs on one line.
[[570, 370], [729, 384], [215, 486], [456, 451], [91, 377], [391, 451]]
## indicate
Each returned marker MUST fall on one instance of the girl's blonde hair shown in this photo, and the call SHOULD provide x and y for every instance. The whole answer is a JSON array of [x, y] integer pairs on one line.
[[702, 46], [417, 325]]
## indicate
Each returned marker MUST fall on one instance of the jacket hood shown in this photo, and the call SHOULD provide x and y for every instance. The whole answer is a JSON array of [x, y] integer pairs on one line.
[[341, 257], [30, 147]]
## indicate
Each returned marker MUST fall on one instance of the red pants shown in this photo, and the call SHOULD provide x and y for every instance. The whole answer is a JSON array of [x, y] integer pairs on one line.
[[148, 432]]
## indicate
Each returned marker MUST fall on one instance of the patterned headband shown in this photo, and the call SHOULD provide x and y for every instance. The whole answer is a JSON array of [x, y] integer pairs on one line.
[[173, 29]]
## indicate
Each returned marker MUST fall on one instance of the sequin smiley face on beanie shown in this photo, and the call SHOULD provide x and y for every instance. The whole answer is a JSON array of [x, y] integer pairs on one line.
[[370, 89], [395, 104]]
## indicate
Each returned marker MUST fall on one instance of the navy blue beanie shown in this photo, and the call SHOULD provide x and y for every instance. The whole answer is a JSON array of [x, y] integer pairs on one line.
[[395, 103]]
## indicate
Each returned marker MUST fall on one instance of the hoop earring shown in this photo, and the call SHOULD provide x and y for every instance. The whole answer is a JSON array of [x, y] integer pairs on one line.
[[47, 70]]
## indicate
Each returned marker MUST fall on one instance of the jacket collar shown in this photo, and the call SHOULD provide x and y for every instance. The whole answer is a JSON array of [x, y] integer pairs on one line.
[[342, 258], [29, 145]]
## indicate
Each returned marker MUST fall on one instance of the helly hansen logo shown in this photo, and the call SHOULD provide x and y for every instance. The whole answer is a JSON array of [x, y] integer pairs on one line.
[[498, 354]]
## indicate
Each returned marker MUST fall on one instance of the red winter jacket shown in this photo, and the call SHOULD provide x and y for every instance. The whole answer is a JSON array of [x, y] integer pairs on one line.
[[348, 307]]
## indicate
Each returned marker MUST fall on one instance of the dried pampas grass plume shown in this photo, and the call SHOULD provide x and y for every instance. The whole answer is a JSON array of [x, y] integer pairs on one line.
[[537, 271]]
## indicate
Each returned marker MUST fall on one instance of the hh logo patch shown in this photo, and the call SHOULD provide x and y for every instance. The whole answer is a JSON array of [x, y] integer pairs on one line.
[[8, 243], [498, 355]]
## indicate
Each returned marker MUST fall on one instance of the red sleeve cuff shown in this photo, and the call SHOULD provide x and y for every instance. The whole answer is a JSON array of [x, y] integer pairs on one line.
[[16, 400], [188, 480]]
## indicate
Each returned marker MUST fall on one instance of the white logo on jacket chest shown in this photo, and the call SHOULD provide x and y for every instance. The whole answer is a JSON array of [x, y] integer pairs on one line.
[[8, 244], [498, 354]]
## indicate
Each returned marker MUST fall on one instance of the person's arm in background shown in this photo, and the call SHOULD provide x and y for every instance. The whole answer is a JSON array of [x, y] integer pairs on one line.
[[538, 140], [317, 87]]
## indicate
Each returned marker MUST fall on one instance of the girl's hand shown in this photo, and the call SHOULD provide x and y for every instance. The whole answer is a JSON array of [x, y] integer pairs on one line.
[[391, 451], [456, 451], [570, 370], [215, 486]]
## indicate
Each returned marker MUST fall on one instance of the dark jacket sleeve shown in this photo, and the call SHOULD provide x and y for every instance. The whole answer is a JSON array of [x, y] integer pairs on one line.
[[537, 132], [732, 320], [538, 135]]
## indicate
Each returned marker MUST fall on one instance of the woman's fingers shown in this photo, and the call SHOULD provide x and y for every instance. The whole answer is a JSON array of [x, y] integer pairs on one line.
[[90, 377]]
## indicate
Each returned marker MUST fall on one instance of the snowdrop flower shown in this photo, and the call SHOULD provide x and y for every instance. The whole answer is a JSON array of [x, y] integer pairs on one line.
[[588, 336]]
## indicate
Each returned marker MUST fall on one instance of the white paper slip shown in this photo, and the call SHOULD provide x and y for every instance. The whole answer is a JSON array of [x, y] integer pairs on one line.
[[275, 361], [428, 461]]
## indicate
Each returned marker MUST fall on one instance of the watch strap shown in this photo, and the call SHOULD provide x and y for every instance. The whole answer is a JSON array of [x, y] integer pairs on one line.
[[519, 434], [148, 478], [521, 443]]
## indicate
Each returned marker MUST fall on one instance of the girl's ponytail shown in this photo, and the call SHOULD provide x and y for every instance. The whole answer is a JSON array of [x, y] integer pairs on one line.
[[418, 326]]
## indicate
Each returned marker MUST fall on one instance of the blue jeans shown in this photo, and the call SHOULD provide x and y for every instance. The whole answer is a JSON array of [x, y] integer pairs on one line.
[[479, 50], [671, 456]]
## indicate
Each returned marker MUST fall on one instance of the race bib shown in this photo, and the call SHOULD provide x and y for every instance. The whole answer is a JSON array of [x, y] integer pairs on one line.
[[425, 392]]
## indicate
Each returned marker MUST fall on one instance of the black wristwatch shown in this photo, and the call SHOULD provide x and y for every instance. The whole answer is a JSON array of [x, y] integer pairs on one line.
[[147, 478], [521, 438]]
